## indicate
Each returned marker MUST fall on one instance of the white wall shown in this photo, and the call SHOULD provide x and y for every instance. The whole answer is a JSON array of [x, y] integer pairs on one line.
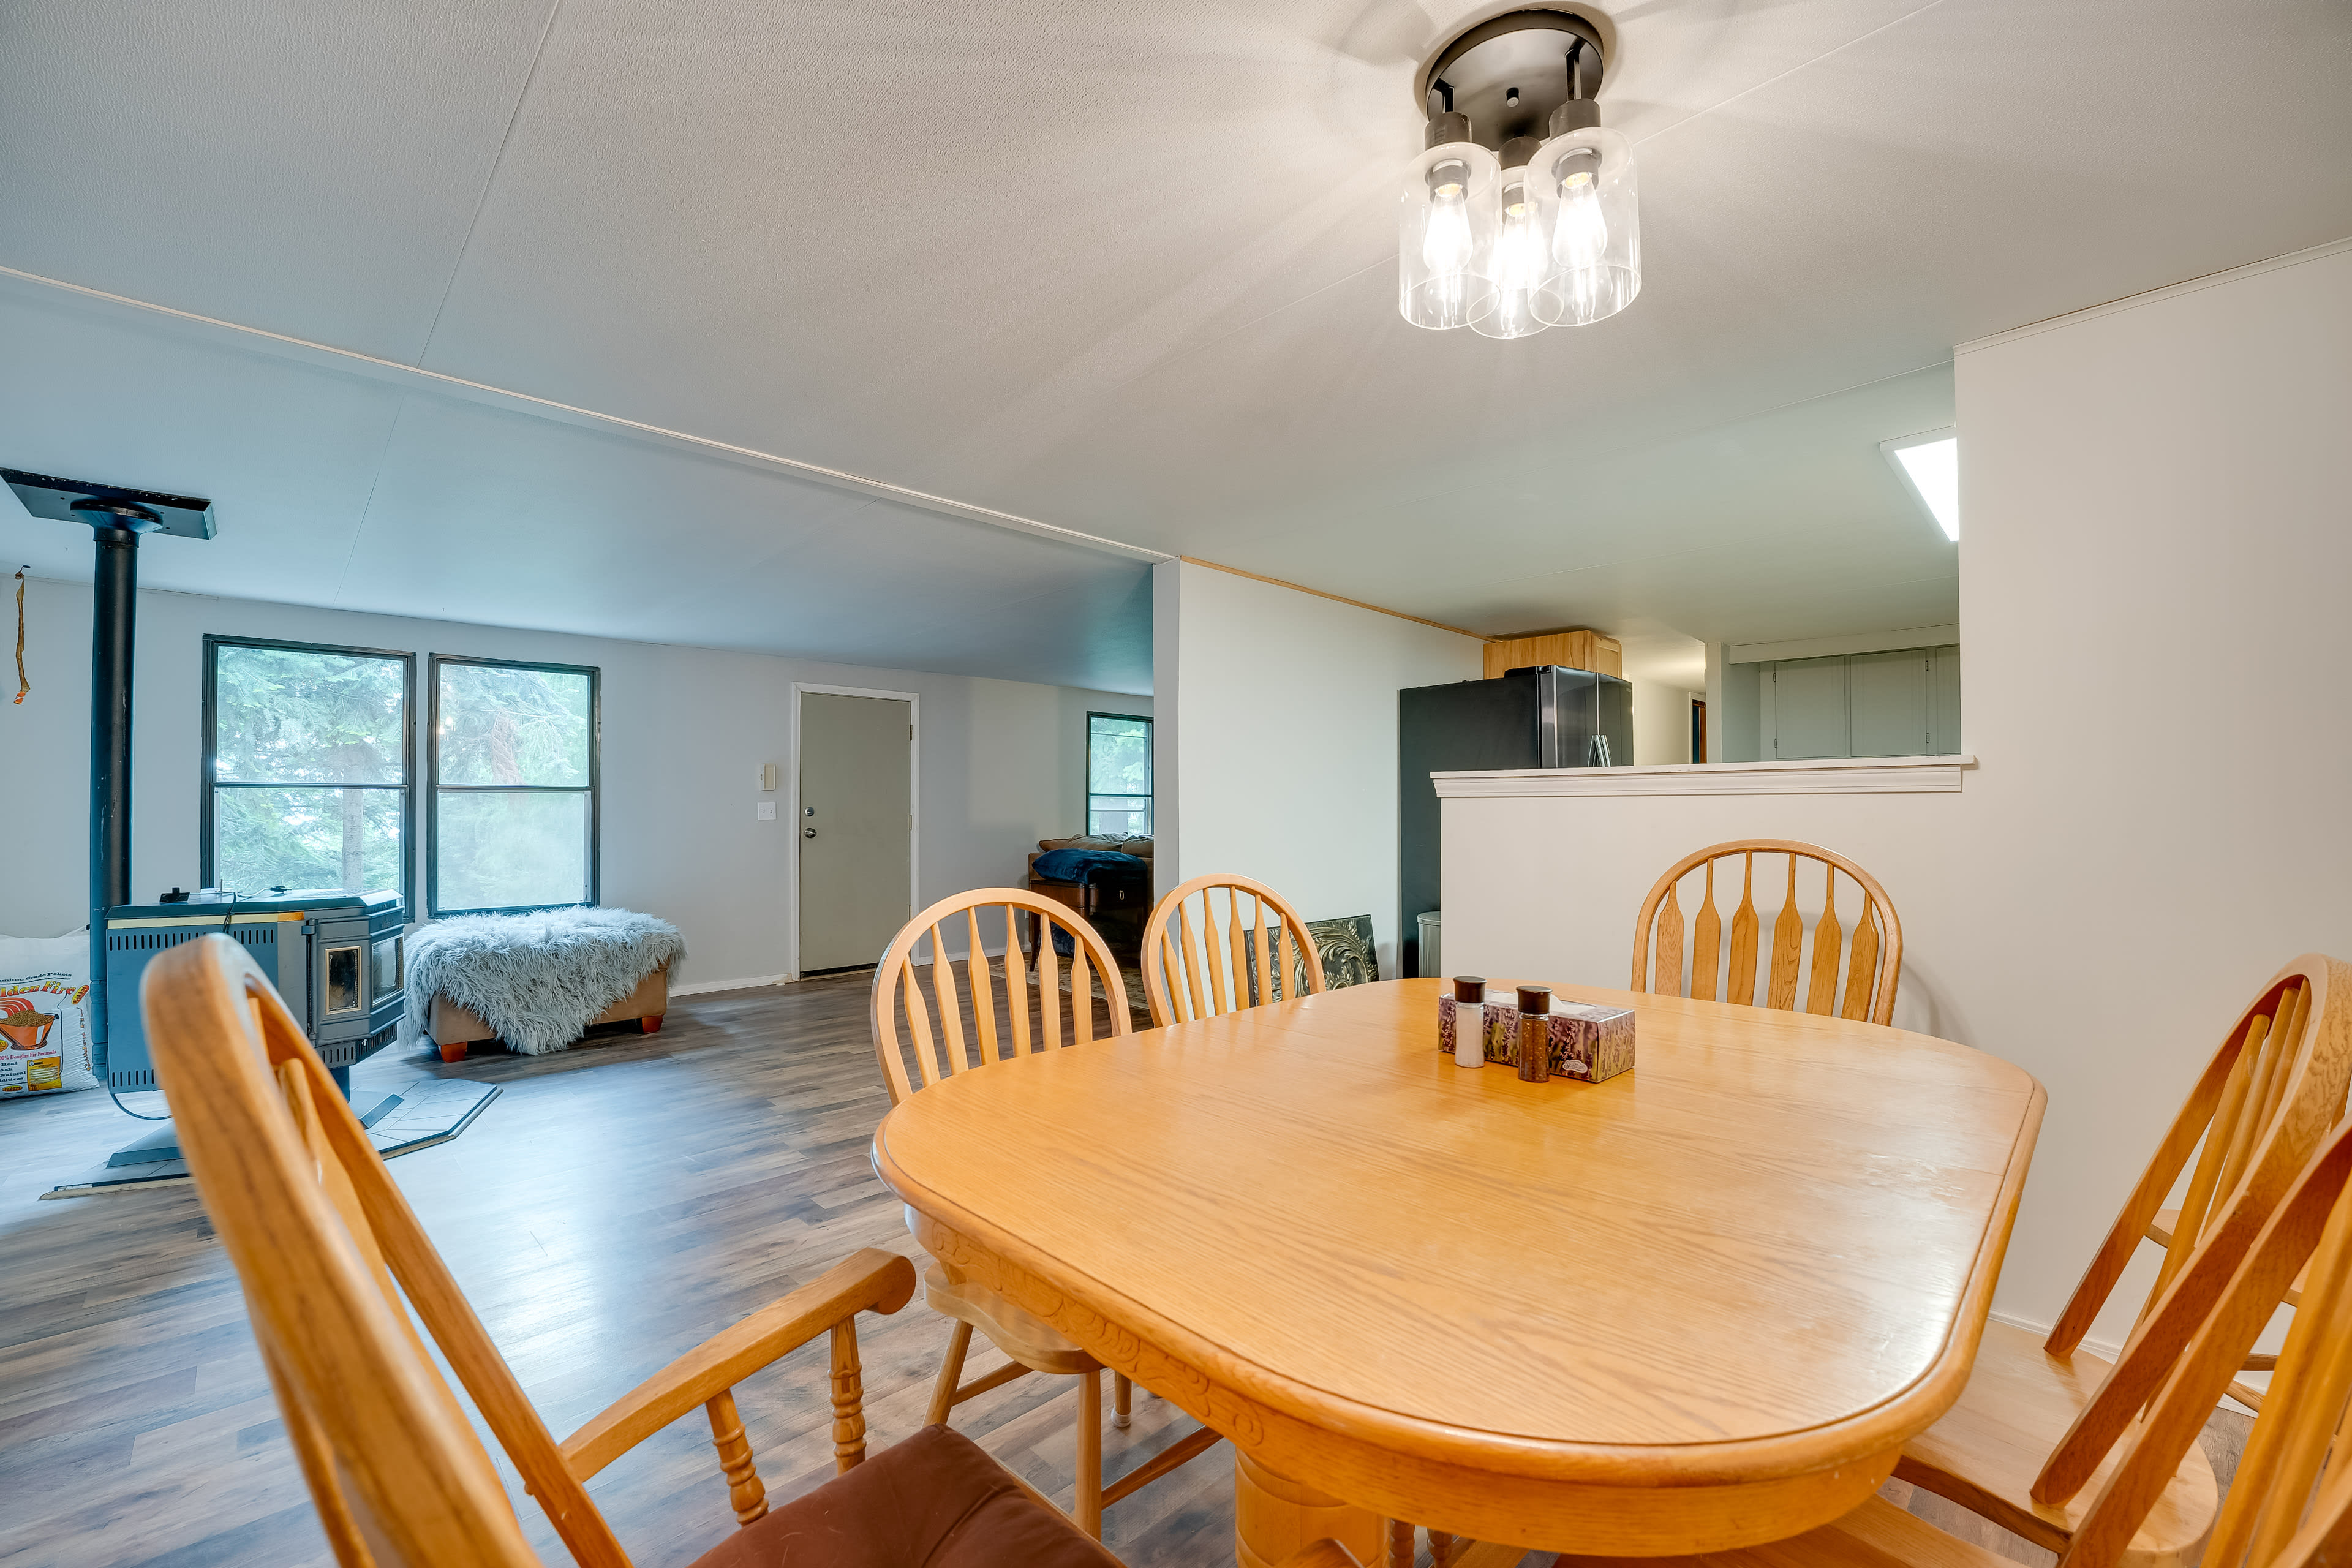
[[2154, 490], [1662, 722], [1003, 764], [1285, 704]]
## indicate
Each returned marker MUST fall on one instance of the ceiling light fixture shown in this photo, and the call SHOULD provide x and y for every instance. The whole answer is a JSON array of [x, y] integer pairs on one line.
[[1929, 466], [1520, 213]]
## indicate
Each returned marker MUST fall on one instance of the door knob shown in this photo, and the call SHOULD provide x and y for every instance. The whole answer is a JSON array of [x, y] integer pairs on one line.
[[808, 833]]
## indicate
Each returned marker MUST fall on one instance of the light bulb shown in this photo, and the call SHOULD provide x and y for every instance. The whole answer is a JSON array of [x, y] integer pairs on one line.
[[1445, 245], [1581, 236], [1446, 236], [1519, 266], [1596, 234], [1519, 254]]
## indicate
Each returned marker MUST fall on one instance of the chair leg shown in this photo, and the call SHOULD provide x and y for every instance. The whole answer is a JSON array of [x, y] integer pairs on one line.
[[1089, 1497], [1122, 1400], [943, 1393], [1400, 1544]]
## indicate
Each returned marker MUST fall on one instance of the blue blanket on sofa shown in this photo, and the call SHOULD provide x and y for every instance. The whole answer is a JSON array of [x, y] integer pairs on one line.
[[1078, 865], [1073, 864]]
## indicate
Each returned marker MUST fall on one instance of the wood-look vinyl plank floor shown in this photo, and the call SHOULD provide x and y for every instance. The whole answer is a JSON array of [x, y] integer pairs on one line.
[[617, 1205]]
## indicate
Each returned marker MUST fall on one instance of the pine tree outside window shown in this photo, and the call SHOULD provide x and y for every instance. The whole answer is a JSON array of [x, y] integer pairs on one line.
[[1119, 774], [307, 760], [515, 802]]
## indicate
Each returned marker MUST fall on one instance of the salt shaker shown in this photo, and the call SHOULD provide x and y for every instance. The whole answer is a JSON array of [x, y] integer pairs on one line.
[[1534, 1034], [1469, 1021]]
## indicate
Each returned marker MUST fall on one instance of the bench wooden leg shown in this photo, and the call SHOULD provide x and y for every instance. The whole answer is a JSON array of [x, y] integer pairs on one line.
[[650, 1023], [454, 1052]]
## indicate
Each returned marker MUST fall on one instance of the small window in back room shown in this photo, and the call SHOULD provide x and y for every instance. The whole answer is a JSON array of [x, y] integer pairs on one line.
[[1118, 774]]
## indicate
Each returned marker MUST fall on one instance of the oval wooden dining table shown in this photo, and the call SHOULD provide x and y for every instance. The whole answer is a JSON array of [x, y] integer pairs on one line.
[[1701, 1305]]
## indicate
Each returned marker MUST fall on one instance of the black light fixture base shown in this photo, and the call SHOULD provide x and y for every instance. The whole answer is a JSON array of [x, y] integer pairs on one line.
[[1508, 73]]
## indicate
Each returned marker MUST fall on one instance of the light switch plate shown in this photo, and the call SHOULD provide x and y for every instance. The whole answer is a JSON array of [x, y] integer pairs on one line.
[[767, 775], [767, 809]]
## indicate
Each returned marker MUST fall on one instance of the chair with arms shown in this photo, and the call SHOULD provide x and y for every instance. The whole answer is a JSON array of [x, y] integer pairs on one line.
[[2290, 1504], [1873, 960], [332, 1258], [1190, 974], [2264, 1104], [943, 1048]]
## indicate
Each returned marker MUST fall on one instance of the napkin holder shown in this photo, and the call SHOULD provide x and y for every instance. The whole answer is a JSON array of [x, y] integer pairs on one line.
[[1589, 1044]]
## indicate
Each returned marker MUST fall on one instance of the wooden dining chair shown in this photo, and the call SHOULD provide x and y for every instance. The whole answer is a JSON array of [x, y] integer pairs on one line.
[[2290, 1503], [955, 1028], [1873, 961], [332, 1259], [1198, 969], [2264, 1102]]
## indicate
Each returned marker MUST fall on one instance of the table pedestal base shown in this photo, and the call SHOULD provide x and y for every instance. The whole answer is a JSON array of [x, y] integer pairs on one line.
[[1274, 1516]]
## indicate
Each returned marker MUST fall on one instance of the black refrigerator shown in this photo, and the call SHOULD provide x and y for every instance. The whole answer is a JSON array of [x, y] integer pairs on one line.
[[1548, 717]]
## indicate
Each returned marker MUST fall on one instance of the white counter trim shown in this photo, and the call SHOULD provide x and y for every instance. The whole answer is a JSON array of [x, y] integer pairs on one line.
[[1841, 775]]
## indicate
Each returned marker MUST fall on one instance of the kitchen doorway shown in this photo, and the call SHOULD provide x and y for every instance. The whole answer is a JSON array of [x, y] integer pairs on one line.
[[854, 825]]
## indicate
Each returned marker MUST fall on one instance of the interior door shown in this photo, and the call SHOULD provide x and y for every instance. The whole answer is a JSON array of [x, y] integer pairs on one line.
[[856, 828]]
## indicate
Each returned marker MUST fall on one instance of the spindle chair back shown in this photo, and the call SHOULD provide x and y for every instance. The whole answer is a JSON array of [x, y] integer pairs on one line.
[[1873, 961], [2290, 1503], [936, 1034], [332, 1258], [2023, 1439], [1195, 967], [2263, 1103], [942, 1047]]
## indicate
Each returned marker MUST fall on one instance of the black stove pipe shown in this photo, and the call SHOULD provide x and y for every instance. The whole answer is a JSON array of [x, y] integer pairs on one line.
[[113, 608]]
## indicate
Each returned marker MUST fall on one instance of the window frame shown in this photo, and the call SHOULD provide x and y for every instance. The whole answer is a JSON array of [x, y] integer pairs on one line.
[[433, 785], [1151, 767], [207, 864]]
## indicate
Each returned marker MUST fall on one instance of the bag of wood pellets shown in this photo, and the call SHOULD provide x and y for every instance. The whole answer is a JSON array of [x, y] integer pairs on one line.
[[44, 1014]]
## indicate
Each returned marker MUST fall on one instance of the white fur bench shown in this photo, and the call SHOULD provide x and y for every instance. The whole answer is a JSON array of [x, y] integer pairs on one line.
[[537, 982], [453, 1027]]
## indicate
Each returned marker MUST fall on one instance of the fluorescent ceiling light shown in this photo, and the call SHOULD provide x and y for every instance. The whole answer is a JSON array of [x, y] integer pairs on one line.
[[1929, 463]]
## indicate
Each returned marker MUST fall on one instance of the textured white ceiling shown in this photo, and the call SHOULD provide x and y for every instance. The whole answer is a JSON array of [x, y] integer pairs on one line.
[[335, 489], [1125, 269]]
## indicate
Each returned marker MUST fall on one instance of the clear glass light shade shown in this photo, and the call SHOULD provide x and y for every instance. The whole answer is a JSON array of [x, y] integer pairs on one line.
[[1523, 271], [1595, 227], [1445, 235]]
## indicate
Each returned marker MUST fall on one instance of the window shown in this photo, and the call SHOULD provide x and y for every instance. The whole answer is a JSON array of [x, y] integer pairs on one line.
[[308, 755], [1118, 774], [514, 785]]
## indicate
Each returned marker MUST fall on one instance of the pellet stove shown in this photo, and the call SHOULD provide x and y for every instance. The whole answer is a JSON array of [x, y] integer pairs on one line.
[[334, 956]]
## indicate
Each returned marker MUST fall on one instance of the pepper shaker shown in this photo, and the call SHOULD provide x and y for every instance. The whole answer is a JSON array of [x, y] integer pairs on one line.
[[1534, 1034], [1469, 1020]]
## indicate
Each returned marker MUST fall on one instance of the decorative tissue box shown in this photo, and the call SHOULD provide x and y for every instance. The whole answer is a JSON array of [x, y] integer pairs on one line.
[[1448, 1027], [1587, 1043]]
